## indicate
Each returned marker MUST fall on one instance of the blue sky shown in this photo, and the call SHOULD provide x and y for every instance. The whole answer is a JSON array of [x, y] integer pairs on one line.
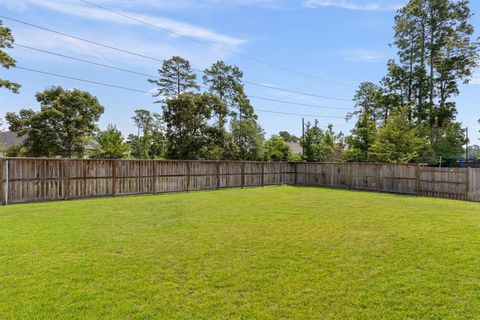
[[344, 41]]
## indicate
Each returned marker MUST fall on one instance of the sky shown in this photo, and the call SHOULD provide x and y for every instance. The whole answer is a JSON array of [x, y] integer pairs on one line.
[[324, 48]]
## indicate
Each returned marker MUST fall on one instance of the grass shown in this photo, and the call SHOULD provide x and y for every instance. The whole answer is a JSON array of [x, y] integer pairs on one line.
[[271, 253]]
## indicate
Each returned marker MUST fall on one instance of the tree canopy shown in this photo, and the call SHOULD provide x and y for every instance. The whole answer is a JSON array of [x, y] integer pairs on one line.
[[7, 62], [67, 120]]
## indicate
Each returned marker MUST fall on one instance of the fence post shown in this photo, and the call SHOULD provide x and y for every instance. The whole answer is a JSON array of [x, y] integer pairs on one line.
[[296, 173], [243, 175], [218, 175], [2, 196], [417, 173], [263, 173], [5, 187], [114, 178], [468, 184], [188, 176], [66, 179], [379, 177], [154, 176]]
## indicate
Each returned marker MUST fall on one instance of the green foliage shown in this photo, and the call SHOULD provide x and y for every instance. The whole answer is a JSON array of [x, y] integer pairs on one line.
[[7, 62], [276, 149], [450, 141], [288, 137], [111, 144], [150, 142], [361, 140], [435, 54], [17, 150], [367, 102], [62, 126], [318, 145], [474, 152], [175, 77], [188, 130], [295, 158], [248, 138], [225, 81], [398, 141]]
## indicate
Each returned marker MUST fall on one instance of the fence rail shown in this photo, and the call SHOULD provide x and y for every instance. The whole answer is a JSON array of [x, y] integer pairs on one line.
[[25, 180]]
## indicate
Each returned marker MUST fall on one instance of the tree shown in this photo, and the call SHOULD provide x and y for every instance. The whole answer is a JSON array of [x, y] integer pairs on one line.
[[436, 53], [248, 139], [158, 141], [7, 62], [367, 102], [111, 144], [318, 145], [450, 142], [474, 152], [276, 149], [225, 81], [62, 127], [398, 141], [140, 143], [361, 140], [149, 142], [176, 77], [188, 131], [288, 137]]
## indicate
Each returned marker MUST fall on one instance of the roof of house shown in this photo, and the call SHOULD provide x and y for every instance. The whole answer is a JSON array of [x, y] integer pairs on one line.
[[295, 147], [8, 139]]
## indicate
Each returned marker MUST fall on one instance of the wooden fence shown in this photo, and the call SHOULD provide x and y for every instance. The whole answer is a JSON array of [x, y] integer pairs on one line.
[[25, 180]]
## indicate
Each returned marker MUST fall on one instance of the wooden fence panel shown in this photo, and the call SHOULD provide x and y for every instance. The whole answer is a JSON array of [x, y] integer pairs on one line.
[[32, 179], [474, 185], [231, 173], [133, 177], [253, 174], [398, 178], [203, 175], [444, 183], [171, 176]]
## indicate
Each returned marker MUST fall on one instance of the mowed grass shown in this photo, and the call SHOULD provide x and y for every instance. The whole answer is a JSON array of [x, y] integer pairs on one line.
[[267, 253]]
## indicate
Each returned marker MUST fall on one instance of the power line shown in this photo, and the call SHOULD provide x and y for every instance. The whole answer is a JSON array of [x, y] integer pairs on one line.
[[162, 60], [298, 103], [85, 61], [295, 92], [148, 92], [152, 76], [299, 114], [82, 80], [212, 45]]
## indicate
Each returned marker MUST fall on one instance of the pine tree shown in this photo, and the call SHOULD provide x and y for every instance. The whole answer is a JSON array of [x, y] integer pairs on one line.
[[176, 77]]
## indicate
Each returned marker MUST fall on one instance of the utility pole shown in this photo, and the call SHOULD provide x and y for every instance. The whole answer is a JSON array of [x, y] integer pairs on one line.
[[303, 134], [466, 148]]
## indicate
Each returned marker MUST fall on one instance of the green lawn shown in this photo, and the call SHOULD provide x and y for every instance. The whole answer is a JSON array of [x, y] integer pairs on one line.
[[271, 253]]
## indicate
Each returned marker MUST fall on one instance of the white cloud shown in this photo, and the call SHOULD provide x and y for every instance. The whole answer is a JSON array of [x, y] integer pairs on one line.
[[80, 49], [195, 4], [385, 5], [174, 26], [13, 5], [359, 55]]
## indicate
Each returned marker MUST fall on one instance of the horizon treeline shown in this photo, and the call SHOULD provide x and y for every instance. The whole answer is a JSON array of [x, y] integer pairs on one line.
[[410, 115]]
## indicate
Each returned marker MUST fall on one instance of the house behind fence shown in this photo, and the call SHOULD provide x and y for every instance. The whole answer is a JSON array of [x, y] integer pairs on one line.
[[25, 180]]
